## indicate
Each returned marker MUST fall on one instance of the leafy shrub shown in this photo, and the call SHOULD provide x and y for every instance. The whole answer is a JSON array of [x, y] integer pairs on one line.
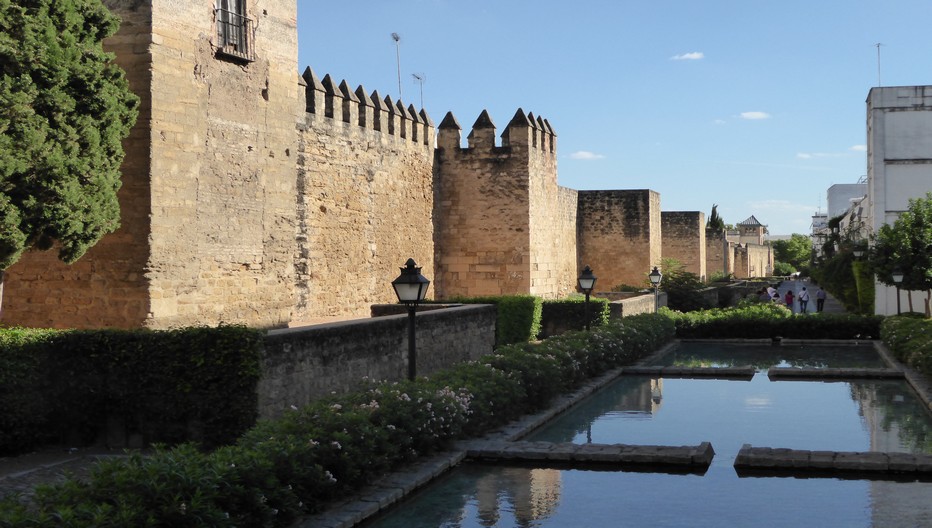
[[909, 338], [312, 456], [683, 288], [768, 320], [168, 386], [558, 316], [518, 316]]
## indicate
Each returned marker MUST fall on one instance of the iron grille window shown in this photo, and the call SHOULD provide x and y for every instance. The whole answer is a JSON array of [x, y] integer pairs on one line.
[[235, 31]]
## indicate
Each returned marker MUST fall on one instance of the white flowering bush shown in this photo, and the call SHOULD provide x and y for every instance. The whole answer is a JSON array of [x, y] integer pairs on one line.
[[910, 339], [314, 455]]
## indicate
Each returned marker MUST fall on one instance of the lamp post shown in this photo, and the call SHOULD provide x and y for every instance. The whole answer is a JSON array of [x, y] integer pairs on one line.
[[411, 288], [897, 279], [655, 277], [858, 253], [586, 283]]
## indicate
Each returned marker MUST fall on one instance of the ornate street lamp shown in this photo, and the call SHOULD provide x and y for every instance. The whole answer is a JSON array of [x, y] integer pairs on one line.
[[586, 283], [858, 253], [897, 279], [411, 288], [655, 277]]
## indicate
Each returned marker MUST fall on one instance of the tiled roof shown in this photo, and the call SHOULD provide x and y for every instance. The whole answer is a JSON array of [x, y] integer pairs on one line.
[[751, 221]]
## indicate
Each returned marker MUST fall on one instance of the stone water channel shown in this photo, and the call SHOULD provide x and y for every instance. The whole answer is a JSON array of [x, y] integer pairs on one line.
[[833, 459]]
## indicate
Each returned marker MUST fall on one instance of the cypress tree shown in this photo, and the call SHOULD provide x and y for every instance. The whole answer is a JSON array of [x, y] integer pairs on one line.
[[65, 107]]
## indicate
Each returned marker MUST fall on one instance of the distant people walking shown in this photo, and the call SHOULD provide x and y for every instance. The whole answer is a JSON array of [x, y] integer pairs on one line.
[[788, 298], [820, 300], [803, 300]]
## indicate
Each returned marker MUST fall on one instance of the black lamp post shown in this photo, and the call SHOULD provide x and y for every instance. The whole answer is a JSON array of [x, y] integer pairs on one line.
[[897, 279], [586, 283], [655, 277], [411, 288]]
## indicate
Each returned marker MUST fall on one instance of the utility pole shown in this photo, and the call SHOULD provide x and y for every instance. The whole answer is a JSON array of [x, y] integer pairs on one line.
[[397, 39]]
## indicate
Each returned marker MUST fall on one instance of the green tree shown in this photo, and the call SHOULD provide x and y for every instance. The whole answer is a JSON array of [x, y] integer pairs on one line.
[[683, 288], [797, 251], [906, 246], [65, 107], [715, 221]]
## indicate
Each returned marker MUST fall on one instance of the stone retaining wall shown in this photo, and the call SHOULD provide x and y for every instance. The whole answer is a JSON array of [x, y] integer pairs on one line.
[[303, 364]]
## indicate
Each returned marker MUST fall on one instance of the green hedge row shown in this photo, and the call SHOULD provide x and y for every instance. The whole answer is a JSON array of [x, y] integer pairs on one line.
[[560, 315], [302, 462], [518, 316], [193, 384], [909, 338], [767, 320]]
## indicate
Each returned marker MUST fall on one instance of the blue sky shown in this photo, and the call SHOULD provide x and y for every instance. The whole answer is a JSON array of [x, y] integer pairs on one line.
[[755, 106]]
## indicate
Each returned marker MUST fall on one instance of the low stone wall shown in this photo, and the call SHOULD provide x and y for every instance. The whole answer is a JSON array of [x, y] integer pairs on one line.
[[635, 305], [303, 364]]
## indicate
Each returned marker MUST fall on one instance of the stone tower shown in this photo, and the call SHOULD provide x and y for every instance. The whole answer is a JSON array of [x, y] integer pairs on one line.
[[502, 226], [208, 181]]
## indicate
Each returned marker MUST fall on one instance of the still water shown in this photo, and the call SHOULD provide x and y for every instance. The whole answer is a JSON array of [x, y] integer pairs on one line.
[[764, 356], [838, 416]]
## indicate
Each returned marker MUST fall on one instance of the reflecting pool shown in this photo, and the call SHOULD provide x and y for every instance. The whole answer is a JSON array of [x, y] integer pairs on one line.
[[858, 415]]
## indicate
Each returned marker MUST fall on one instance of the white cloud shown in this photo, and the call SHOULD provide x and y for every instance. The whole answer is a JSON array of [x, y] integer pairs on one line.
[[585, 155], [859, 148], [755, 115], [694, 55], [813, 155]]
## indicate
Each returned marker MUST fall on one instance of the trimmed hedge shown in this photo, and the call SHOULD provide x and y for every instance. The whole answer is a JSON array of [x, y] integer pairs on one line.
[[518, 316], [193, 384], [909, 338], [313, 456], [560, 315], [767, 320]]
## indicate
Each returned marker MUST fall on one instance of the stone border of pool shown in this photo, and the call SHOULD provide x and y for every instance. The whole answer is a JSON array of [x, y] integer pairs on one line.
[[394, 487], [799, 462], [616, 455]]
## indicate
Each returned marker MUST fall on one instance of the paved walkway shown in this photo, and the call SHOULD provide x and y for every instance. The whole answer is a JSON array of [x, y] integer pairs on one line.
[[832, 305]]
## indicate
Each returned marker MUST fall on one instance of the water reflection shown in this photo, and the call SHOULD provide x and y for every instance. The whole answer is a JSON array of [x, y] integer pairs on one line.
[[764, 356], [860, 415]]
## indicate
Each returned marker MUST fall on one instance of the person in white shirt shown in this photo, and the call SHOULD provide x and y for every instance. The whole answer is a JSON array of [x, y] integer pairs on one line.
[[803, 300]]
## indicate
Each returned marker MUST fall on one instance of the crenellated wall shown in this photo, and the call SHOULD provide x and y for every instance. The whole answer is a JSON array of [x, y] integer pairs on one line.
[[365, 198], [252, 195], [684, 239], [500, 217], [619, 235]]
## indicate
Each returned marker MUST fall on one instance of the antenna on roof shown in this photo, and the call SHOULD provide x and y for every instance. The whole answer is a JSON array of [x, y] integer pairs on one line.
[[397, 38], [420, 78], [878, 62]]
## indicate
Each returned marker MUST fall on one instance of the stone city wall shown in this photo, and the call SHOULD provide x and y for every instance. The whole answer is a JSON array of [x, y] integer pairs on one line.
[[223, 168], [719, 254], [684, 239], [300, 365], [365, 199], [619, 235]]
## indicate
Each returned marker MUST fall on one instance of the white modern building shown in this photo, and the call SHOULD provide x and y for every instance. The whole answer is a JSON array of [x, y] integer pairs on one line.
[[899, 164], [842, 195]]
